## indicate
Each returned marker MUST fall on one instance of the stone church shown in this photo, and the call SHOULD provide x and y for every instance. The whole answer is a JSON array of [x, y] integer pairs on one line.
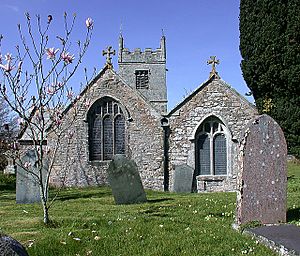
[[125, 112]]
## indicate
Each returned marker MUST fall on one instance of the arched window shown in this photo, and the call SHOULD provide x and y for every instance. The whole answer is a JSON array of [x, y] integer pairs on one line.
[[211, 148], [106, 130]]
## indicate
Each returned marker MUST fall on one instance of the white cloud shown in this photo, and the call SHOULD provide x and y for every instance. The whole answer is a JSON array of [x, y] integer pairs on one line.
[[12, 7]]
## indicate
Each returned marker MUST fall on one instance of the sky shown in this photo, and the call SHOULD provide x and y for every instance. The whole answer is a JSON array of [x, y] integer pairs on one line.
[[194, 30]]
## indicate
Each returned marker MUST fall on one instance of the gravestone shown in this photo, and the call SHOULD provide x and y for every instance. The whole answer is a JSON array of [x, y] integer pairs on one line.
[[125, 181], [183, 179], [263, 177], [27, 187], [11, 247]]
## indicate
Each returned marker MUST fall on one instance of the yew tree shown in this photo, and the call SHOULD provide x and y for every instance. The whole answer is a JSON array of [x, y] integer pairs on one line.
[[270, 49]]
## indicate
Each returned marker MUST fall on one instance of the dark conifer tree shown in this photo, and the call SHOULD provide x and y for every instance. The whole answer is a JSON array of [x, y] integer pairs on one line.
[[270, 48]]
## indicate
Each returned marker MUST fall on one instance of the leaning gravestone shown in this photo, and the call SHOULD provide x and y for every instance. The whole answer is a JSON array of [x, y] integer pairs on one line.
[[125, 181], [183, 179], [27, 187], [263, 177], [11, 247]]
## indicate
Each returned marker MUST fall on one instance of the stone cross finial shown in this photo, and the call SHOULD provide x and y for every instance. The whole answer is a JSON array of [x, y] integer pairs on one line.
[[108, 54], [213, 61]]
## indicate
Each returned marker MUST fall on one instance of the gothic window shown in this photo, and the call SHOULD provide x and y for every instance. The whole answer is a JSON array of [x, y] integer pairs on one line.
[[211, 148], [142, 79], [106, 130]]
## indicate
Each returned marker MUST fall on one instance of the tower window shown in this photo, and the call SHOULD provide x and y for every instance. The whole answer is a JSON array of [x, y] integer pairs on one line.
[[142, 79]]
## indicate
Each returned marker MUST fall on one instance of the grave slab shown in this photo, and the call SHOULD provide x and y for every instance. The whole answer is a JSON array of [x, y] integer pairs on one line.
[[263, 177], [282, 238], [183, 179], [27, 187], [125, 181]]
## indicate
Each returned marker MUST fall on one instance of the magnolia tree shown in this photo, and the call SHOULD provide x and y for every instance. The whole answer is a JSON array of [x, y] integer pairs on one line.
[[35, 85]]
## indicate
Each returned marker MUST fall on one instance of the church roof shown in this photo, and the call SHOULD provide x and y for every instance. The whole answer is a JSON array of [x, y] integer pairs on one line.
[[201, 87]]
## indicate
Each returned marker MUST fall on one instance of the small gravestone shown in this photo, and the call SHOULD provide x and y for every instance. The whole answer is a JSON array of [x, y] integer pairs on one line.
[[183, 179], [11, 247], [125, 181], [27, 187], [263, 178]]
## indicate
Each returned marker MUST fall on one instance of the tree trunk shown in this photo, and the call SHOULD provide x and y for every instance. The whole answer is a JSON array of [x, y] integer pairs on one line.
[[46, 219]]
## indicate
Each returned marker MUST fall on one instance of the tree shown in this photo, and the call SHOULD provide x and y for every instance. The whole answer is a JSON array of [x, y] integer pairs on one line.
[[35, 85], [270, 48]]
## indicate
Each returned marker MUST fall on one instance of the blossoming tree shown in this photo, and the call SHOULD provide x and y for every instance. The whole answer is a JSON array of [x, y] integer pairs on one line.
[[35, 85]]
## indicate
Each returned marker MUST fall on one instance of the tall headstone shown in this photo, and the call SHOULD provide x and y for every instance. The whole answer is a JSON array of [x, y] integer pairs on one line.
[[125, 181], [183, 179], [263, 177], [27, 187]]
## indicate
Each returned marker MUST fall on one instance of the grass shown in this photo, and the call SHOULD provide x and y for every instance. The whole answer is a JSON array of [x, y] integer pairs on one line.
[[87, 222]]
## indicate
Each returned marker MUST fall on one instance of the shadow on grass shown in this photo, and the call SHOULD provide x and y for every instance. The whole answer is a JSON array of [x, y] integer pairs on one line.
[[158, 200], [80, 195], [293, 214], [9, 187], [292, 177]]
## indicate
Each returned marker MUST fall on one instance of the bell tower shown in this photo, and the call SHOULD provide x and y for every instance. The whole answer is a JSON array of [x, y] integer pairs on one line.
[[145, 71]]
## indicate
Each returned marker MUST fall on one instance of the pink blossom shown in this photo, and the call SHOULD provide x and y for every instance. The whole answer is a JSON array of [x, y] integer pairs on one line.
[[50, 90], [21, 99], [51, 53], [70, 94], [70, 134], [7, 67], [87, 103], [89, 23], [57, 118], [8, 57], [20, 120], [27, 164], [67, 57], [47, 149], [59, 85], [20, 65]]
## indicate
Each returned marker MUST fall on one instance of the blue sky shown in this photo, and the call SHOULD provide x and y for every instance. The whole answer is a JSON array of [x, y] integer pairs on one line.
[[194, 29]]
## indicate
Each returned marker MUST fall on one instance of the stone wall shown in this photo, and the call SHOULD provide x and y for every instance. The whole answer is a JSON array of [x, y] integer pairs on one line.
[[213, 98], [143, 137]]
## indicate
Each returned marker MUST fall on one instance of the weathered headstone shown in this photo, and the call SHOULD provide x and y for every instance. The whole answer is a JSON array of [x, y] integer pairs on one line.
[[125, 181], [27, 187], [263, 177], [183, 179], [11, 247]]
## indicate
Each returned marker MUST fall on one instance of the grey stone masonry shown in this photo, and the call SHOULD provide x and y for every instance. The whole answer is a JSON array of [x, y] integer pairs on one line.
[[143, 136], [214, 98], [152, 61]]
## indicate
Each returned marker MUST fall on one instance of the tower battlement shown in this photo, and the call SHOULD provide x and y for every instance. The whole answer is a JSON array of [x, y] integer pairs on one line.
[[149, 55]]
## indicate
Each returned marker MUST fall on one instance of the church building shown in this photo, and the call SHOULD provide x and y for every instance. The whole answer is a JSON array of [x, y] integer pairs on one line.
[[125, 112]]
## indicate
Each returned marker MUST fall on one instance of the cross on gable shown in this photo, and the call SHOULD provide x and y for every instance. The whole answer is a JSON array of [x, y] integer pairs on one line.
[[108, 54], [213, 62]]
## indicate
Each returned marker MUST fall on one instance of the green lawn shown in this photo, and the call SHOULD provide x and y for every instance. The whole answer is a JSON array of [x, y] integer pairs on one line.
[[87, 222]]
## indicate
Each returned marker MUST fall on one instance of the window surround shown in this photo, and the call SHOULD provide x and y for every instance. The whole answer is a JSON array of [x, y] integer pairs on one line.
[[194, 138], [103, 109]]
